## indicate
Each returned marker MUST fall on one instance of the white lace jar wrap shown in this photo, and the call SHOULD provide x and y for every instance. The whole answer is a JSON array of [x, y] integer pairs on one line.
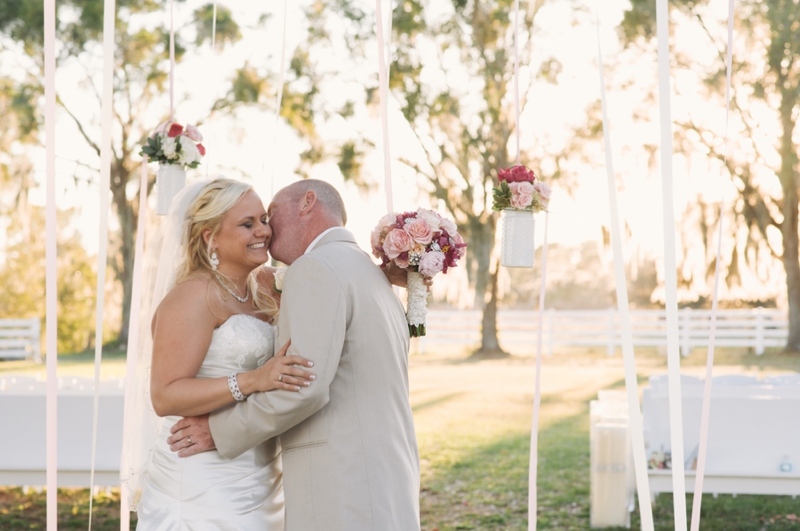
[[516, 245], [170, 179], [417, 309]]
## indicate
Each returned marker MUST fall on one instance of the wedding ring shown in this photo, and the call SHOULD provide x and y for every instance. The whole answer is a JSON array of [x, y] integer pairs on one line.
[[189, 439], [280, 378]]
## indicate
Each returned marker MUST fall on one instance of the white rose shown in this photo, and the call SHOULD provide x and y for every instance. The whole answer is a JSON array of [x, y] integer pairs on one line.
[[277, 281], [449, 226], [170, 147], [189, 152], [431, 217]]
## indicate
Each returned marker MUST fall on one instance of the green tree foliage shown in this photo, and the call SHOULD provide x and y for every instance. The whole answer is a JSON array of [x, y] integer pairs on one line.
[[22, 275], [766, 98], [452, 71], [140, 78]]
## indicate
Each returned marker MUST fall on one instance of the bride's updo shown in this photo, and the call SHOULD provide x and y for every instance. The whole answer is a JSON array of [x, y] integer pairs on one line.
[[206, 212]]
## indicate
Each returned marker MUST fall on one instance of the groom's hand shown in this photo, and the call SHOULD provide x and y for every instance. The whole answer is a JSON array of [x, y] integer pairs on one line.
[[190, 436], [398, 276]]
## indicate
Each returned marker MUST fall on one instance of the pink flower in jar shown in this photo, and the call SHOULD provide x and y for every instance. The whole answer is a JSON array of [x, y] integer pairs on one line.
[[516, 174], [521, 194], [397, 241], [431, 263], [194, 133], [544, 193], [420, 231]]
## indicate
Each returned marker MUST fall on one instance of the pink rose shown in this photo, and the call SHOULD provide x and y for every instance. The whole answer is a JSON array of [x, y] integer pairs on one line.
[[431, 263], [543, 189], [521, 188], [420, 231], [194, 133], [397, 242], [521, 201]]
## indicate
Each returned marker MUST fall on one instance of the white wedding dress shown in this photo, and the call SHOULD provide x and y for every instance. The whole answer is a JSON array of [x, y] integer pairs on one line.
[[206, 491]]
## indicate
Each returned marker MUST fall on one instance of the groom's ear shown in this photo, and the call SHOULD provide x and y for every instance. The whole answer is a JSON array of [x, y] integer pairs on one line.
[[308, 202]]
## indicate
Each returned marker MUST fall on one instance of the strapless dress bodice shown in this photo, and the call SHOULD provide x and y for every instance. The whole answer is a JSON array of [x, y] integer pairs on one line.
[[206, 492]]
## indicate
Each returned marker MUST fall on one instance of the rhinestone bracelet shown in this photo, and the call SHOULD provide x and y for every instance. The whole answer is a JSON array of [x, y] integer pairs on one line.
[[233, 385]]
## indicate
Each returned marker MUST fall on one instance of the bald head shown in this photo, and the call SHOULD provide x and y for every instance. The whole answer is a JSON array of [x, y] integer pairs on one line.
[[327, 196]]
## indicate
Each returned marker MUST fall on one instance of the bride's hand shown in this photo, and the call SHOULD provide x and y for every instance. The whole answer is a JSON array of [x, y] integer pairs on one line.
[[280, 372]]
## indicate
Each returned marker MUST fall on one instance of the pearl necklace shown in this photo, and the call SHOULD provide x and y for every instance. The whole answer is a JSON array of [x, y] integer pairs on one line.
[[229, 290]]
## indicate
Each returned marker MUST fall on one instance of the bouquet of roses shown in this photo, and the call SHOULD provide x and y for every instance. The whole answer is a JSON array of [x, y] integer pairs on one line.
[[519, 189], [424, 243], [170, 143]]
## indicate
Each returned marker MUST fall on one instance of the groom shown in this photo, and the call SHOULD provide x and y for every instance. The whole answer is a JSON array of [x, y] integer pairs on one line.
[[350, 456]]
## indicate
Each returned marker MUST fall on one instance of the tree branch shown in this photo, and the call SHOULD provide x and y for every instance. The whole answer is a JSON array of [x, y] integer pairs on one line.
[[89, 141]]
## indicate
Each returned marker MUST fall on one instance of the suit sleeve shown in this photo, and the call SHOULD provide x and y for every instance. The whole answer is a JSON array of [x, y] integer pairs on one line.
[[314, 315]]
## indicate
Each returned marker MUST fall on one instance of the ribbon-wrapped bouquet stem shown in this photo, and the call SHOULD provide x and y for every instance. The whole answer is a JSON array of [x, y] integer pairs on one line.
[[425, 244]]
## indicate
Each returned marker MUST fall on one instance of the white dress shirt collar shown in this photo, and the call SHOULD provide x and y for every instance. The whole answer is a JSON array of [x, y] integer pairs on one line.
[[318, 238]]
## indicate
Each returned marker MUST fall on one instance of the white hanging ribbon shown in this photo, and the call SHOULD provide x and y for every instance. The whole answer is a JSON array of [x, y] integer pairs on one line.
[[213, 49], [383, 80], [516, 77], [109, 17], [51, 278], [537, 395], [702, 450], [171, 61], [631, 384], [670, 272], [278, 100], [133, 324]]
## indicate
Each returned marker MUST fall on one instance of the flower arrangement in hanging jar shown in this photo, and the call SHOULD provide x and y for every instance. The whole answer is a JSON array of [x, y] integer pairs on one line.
[[517, 197], [173, 147]]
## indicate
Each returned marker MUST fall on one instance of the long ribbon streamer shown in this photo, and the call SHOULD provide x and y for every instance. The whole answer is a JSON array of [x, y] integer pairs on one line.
[[171, 60], [383, 80], [631, 384], [702, 450], [133, 326], [213, 49], [670, 275], [51, 282], [516, 76], [278, 100], [109, 16], [537, 395]]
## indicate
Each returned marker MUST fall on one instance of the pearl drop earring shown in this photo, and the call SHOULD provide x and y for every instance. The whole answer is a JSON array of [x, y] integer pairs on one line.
[[214, 260]]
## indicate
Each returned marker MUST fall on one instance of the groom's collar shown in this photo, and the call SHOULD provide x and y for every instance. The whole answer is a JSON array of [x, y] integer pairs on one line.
[[331, 234]]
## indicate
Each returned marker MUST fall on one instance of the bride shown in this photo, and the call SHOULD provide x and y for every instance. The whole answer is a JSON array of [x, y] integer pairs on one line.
[[212, 344]]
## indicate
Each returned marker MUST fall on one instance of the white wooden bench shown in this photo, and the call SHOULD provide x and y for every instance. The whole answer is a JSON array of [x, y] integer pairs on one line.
[[19, 339], [23, 433], [754, 434]]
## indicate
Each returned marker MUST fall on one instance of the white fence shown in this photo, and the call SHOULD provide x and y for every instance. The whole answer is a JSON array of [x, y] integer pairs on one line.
[[19, 339], [757, 328]]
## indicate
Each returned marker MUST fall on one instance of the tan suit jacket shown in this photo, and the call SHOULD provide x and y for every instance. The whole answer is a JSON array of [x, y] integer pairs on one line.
[[350, 455]]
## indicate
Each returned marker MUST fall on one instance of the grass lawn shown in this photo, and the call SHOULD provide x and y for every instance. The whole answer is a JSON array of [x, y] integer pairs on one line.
[[473, 426]]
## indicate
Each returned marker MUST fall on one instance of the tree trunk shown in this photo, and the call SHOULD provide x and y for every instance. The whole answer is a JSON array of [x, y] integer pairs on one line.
[[791, 260], [482, 233], [123, 266], [490, 346]]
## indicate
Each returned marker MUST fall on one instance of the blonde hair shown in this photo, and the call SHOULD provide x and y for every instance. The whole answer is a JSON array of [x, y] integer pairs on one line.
[[206, 212]]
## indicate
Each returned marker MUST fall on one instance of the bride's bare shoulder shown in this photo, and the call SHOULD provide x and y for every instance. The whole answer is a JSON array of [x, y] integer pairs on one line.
[[191, 300]]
